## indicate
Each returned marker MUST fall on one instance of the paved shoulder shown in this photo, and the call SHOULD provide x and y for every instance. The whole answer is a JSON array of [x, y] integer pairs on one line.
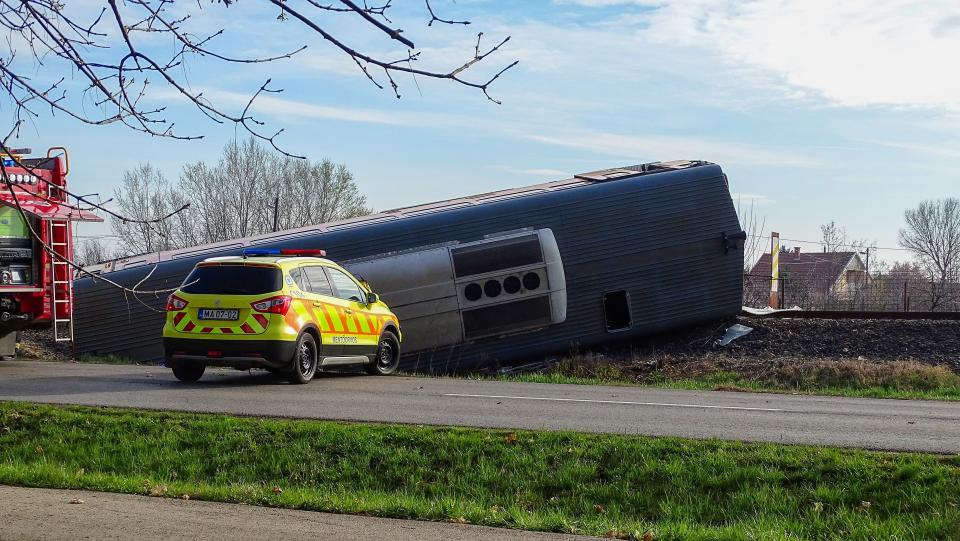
[[35, 513], [910, 425]]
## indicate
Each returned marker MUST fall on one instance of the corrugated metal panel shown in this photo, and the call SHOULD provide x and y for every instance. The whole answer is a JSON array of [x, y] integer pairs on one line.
[[656, 236]]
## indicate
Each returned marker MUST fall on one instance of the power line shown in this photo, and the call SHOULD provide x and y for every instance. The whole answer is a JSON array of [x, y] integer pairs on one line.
[[820, 243]]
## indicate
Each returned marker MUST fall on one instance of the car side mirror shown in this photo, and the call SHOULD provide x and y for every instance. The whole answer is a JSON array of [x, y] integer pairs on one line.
[[373, 298]]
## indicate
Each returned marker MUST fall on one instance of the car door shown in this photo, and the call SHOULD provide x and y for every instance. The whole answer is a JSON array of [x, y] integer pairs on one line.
[[327, 309], [362, 334]]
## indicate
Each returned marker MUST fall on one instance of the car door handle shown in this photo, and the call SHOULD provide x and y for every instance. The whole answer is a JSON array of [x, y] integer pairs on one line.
[[347, 310], [318, 304]]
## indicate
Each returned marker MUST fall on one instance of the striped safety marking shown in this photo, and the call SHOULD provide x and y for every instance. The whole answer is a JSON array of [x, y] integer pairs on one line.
[[329, 318]]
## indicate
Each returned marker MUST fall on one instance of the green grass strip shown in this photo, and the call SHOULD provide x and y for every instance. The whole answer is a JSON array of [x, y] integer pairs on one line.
[[551, 481], [730, 381]]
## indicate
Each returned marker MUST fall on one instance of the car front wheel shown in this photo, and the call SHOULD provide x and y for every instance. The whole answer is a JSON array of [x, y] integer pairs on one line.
[[388, 356]]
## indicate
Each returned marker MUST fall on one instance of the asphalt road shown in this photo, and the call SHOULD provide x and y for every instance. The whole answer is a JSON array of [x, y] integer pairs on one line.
[[37, 513], [912, 425]]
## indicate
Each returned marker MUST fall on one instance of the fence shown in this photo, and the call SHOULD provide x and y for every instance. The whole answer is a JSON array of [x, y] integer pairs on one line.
[[887, 293]]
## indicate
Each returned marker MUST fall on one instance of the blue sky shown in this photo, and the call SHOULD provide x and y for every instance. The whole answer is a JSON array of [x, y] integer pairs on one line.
[[816, 111]]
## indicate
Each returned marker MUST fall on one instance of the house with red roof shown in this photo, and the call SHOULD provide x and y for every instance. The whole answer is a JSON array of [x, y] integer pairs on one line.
[[815, 279]]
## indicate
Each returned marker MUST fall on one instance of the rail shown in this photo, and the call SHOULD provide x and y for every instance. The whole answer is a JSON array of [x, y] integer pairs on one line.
[[853, 314]]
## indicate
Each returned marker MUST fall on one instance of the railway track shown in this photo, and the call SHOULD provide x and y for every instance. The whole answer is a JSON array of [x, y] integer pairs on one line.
[[853, 314]]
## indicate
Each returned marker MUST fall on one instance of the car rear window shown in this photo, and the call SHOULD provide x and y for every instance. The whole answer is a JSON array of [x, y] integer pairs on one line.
[[233, 280]]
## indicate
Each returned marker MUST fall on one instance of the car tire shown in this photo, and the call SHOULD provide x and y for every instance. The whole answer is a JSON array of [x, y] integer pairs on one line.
[[188, 372], [304, 362], [388, 356]]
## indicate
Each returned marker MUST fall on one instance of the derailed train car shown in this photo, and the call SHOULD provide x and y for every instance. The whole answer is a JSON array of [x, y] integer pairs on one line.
[[498, 277]]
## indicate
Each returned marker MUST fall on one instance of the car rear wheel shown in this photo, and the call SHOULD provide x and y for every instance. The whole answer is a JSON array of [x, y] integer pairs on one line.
[[388, 356], [188, 372], [304, 360]]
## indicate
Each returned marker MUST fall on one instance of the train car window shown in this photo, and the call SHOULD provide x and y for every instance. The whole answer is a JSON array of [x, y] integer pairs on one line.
[[616, 311]]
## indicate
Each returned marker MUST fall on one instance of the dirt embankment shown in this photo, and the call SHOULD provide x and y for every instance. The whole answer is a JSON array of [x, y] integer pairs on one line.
[[781, 350]]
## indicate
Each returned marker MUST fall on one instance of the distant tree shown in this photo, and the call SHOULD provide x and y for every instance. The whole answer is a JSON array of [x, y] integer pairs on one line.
[[932, 233], [250, 190], [143, 194], [756, 244], [91, 252], [834, 237]]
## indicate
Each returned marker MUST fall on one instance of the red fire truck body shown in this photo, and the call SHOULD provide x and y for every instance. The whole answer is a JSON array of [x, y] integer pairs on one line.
[[35, 285]]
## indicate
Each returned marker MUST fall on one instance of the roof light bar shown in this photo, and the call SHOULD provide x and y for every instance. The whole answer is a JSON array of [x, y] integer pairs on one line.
[[315, 253], [257, 252], [266, 252]]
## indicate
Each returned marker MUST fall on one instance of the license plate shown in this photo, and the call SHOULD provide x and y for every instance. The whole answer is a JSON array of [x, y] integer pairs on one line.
[[223, 315]]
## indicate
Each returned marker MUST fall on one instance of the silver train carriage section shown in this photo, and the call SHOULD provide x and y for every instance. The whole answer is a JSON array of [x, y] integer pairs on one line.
[[496, 278]]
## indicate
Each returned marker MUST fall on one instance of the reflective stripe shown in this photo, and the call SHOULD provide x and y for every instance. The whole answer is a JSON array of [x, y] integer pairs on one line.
[[364, 326], [321, 318], [335, 318]]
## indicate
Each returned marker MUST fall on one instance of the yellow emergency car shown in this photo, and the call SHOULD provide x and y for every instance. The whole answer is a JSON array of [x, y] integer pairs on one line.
[[288, 311]]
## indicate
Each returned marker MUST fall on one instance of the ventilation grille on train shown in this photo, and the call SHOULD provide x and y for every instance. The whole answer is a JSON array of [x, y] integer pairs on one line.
[[506, 318], [495, 255]]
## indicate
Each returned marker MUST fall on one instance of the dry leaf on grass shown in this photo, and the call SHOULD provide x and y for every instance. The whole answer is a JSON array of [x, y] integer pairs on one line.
[[510, 438], [460, 520], [864, 505], [158, 490], [616, 534], [647, 536], [599, 508], [277, 490]]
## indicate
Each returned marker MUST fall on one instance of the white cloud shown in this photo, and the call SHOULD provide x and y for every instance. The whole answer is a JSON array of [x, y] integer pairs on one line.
[[293, 109], [852, 53], [645, 148], [751, 199]]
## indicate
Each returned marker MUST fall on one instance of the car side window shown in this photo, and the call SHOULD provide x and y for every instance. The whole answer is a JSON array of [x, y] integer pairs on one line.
[[347, 289], [300, 279], [319, 285]]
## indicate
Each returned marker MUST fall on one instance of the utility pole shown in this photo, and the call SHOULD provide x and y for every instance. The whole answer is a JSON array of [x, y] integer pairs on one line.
[[276, 213], [775, 290]]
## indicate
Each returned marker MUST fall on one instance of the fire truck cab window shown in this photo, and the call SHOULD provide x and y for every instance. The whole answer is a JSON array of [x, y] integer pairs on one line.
[[13, 228], [616, 311], [346, 288], [317, 281]]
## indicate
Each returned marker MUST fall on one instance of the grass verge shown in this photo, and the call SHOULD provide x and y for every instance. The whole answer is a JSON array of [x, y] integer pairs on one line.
[[106, 359], [620, 486], [834, 377]]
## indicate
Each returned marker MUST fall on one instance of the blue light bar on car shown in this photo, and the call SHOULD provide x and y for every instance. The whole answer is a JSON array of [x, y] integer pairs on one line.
[[258, 252]]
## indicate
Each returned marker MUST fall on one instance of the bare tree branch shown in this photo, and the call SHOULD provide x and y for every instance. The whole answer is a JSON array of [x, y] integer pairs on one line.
[[116, 75]]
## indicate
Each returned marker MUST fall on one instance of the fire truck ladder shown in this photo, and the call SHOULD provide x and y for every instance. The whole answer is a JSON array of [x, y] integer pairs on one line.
[[60, 281]]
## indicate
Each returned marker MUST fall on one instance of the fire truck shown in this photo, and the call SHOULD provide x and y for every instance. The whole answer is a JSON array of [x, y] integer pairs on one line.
[[36, 241]]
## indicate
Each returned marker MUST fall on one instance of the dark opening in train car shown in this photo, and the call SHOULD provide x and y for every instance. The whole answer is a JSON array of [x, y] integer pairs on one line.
[[495, 278]]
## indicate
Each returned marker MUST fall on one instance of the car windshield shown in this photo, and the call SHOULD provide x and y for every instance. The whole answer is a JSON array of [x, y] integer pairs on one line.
[[232, 280]]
